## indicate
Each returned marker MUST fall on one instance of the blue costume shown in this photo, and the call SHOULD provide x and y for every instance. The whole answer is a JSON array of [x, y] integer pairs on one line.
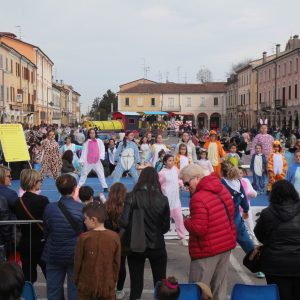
[[258, 180], [74, 148], [293, 174], [240, 199], [126, 159]]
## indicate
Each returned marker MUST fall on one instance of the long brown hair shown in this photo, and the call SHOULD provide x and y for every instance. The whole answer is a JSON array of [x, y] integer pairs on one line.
[[115, 203]]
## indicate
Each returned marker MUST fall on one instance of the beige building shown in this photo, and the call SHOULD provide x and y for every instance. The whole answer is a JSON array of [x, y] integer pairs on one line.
[[17, 86], [232, 102], [204, 103]]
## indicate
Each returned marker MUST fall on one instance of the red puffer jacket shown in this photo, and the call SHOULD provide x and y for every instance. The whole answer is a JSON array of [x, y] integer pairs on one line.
[[210, 230]]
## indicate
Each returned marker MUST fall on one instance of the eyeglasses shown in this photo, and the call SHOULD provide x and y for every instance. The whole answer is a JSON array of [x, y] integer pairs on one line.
[[188, 183]]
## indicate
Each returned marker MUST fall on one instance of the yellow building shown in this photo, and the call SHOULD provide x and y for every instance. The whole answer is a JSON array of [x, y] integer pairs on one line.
[[17, 86]]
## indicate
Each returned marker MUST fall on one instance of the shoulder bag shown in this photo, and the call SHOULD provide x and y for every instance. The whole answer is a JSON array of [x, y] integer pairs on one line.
[[69, 217]]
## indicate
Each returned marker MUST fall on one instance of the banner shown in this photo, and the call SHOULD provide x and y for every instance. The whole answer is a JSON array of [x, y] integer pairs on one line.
[[13, 143]]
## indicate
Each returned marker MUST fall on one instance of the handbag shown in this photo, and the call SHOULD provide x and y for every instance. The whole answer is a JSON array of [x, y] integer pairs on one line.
[[138, 238]]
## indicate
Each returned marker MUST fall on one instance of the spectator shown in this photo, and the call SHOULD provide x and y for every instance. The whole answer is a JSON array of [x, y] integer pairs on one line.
[[278, 230], [11, 288], [31, 206], [67, 164], [101, 248], [211, 228], [63, 222], [148, 196], [86, 194], [169, 289], [114, 209], [6, 231]]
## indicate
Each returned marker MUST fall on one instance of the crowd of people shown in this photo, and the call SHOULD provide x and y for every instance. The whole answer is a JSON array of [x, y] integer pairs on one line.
[[90, 238]]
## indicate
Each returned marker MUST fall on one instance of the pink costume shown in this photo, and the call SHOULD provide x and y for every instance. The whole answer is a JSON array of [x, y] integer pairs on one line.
[[266, 140], [170, 184]]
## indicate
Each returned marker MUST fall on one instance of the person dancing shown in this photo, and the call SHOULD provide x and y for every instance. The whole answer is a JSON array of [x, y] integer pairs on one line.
[[126, 158], [93, 152]]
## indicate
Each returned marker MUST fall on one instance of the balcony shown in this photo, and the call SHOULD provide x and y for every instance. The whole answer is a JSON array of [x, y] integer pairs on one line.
[[29, 108], [265, 106], [280, 104], [242, 108]]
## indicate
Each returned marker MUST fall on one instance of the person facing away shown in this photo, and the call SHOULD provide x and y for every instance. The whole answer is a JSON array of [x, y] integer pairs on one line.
[[293, 172], [61, 236], [98, 247], [278, 230], [211, 228], [31, 206], [146, 195]]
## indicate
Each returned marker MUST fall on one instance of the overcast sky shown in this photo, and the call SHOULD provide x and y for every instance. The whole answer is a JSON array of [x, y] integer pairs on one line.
[[97, 45]]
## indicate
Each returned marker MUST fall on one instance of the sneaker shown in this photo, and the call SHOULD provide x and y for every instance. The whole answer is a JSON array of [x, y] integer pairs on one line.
[[120, 294], [184, 242], [105, 190], [260, 275]]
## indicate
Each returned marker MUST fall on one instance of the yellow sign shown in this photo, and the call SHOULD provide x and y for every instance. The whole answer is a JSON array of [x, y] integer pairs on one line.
[[13, 143]]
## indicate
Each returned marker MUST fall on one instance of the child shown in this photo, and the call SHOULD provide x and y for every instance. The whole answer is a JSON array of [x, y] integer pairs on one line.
[[233, 156], [277, 165], [168, 289], [258, 167], [170, 184], [97, 247], [111, 150], [67, 164], [293, 173], [146, 150], [204, 162], [86, 195], [182, 159], [159, 164]]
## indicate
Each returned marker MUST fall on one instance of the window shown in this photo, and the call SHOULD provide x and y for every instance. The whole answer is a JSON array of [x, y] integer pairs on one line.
[[1, 92], [188, 102], [170, 102], [296, 91], [269, 74], [140, 101], [11, 66], [284, 69], [152, 101], [291, 67], [202, 101], [259, 98], [131, 121], [290, 92], [126, 101], [278, 71], [6, 64], [283, 93], [7, 94], [215, 101], [296, 65], [1, 61]]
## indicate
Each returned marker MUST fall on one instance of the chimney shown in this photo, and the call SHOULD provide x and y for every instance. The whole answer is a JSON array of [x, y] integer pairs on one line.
[[56, 81], [296, 36], [264, 57], [61, 82], [277, 50]]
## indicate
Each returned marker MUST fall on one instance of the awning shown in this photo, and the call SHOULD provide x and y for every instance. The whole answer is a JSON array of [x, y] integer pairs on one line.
[[155, 113], [129, 113]]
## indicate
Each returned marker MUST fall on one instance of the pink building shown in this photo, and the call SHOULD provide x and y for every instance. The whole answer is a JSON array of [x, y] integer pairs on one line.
[[278, 86]]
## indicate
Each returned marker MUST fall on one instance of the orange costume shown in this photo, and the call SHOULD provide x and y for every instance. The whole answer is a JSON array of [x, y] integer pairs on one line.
[[215, 152], [277, 165], [177, 160]]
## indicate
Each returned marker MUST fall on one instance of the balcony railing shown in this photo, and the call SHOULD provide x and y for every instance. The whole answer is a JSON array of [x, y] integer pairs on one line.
[[265, 106], [280, 103]]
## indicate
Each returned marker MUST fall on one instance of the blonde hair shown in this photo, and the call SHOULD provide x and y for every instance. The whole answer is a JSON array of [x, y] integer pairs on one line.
[[229, 171], [29, 178], [193, 170], [3, 172]]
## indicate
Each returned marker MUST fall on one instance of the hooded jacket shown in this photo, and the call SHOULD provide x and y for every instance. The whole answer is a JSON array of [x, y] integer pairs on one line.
[[278, 230], [211, 232]]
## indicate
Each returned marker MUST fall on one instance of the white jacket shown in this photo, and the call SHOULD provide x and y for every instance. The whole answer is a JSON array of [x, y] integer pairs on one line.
[[84, 152]]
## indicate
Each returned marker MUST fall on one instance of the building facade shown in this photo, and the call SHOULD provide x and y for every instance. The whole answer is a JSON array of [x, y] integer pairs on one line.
[[232, 102], [278, 87], [17, 86], [204, 103]]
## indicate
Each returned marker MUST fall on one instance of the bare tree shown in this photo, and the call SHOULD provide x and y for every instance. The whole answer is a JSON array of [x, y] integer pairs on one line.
[[237, 66], [204, 75]]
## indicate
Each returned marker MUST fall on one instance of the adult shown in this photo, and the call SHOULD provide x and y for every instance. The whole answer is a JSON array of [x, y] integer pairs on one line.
[[215, 152], [148, 196], [61, 236], [126, 158], [156, 148], [6, 231], [211, 228], [114, 208], [278, 230], [31, 206], [51, 161], [263, 138], [185, 139], [80, 137], [74, 148], [93, 152]]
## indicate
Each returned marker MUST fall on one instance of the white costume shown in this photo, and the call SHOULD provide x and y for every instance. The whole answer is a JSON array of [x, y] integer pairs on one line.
[[155, 149], [97, 166]]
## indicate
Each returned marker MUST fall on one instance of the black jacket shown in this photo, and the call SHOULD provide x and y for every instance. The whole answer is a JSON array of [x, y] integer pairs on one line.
[[278, 229], [156, 217], [6, 231]]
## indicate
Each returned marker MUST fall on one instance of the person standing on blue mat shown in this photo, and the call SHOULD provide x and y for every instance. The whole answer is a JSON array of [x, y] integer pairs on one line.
[[126, 158]]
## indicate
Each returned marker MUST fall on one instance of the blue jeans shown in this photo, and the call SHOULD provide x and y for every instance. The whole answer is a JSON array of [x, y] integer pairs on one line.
[[242, 236], [258, 182], [56, 274]]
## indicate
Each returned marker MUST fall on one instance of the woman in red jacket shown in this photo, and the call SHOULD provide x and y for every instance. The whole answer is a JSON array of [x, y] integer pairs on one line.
[[211, 228]]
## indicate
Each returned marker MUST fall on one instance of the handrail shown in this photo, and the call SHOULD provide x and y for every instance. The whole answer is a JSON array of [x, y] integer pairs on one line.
[[20, 222]]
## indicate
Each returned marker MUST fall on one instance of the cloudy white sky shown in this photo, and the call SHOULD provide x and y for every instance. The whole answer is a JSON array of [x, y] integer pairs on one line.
[[99, 44]]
